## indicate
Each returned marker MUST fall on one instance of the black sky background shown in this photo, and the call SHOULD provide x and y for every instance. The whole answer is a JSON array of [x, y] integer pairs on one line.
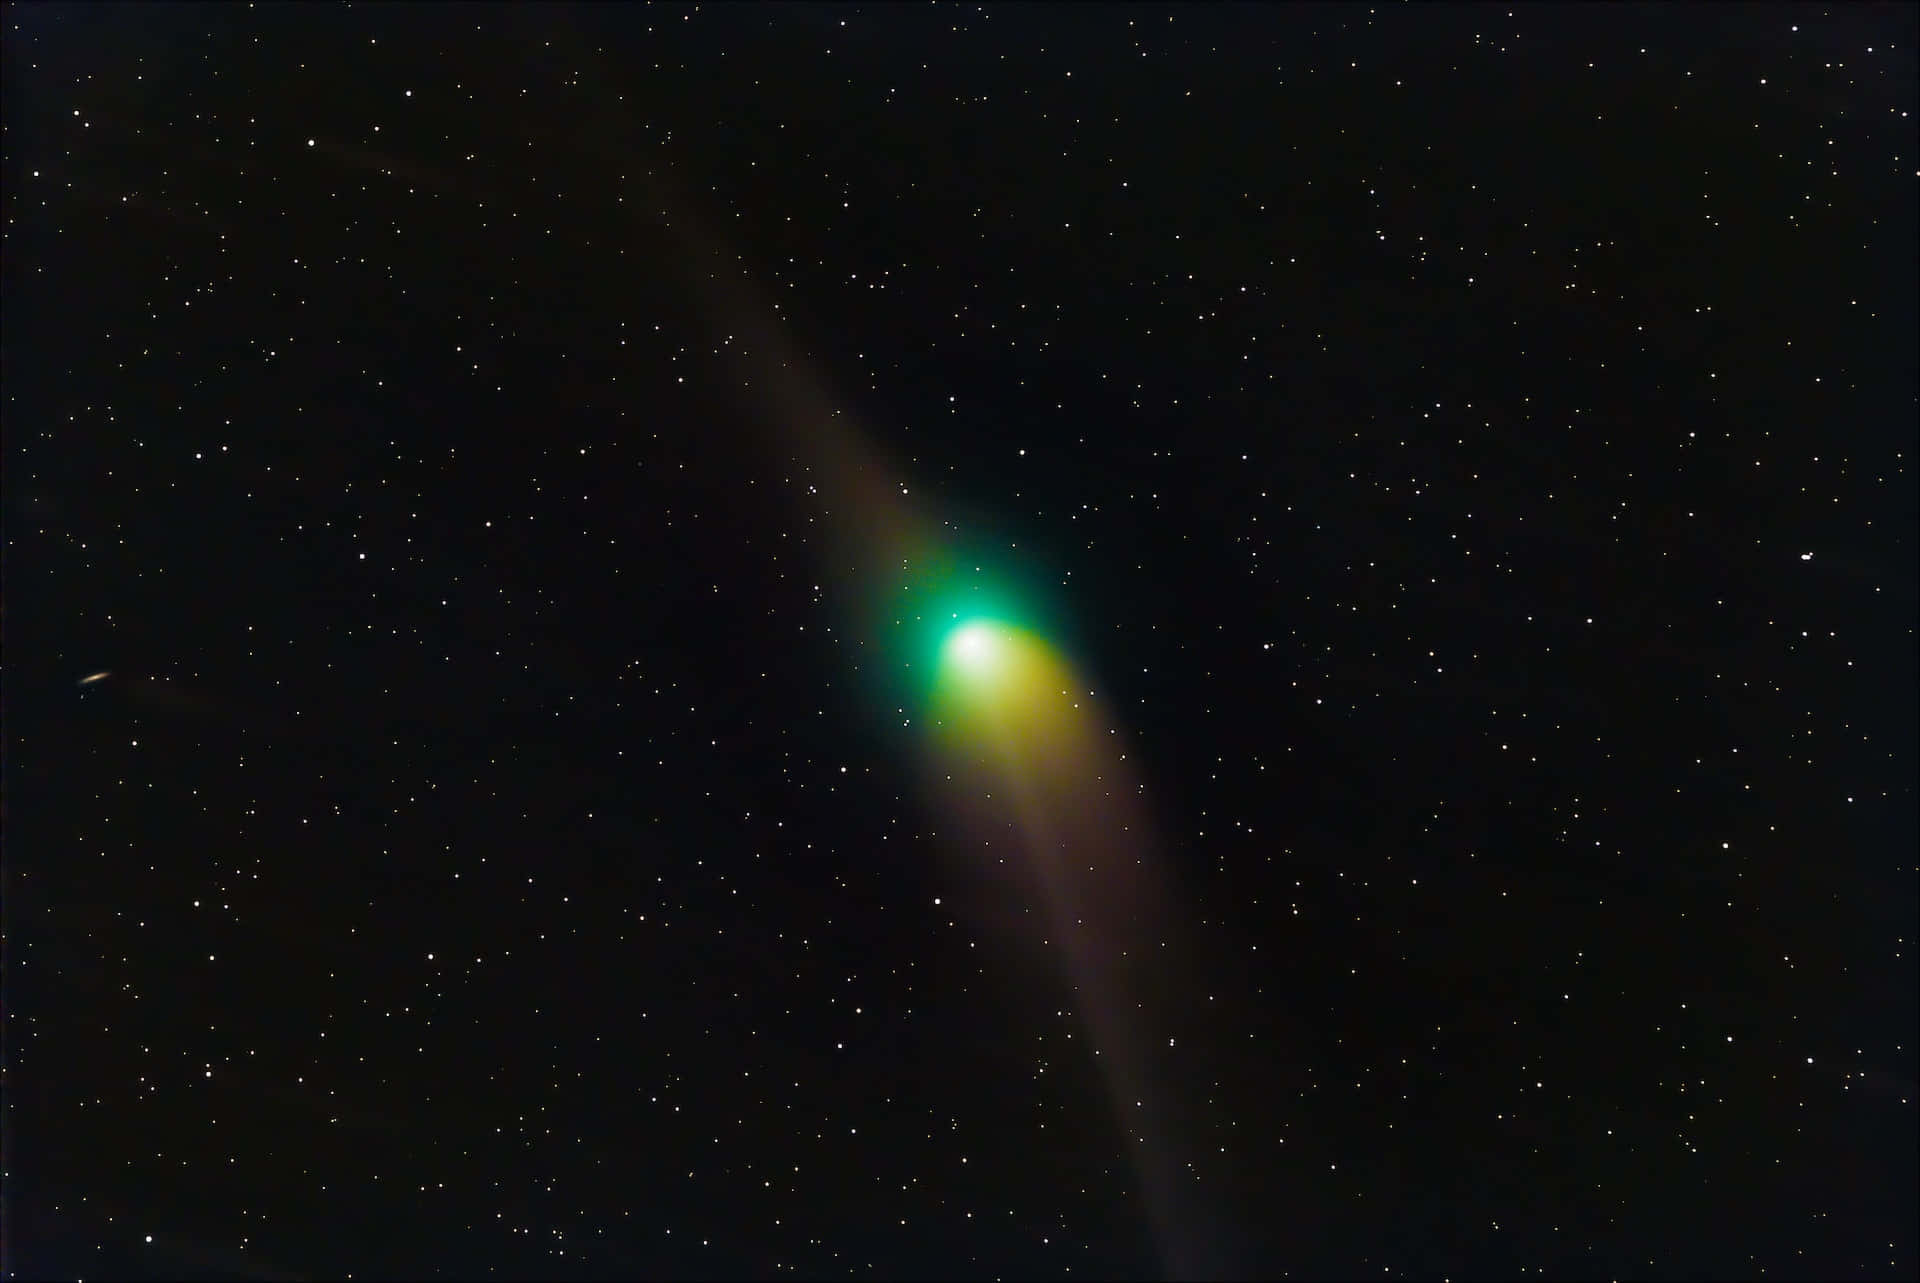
[[1472, 454]]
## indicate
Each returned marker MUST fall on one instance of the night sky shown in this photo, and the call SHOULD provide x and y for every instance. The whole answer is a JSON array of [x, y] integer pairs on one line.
[[949, 642]]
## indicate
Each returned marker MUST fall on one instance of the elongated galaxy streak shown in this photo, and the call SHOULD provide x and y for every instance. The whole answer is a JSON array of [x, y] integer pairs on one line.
[[1012, 731], [1012, 718], [1010, 721]]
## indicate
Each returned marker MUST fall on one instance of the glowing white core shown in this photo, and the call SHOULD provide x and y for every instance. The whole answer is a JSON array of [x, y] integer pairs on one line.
[[975, 645]]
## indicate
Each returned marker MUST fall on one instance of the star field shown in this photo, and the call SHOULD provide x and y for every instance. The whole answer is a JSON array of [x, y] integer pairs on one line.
[[487, 489]]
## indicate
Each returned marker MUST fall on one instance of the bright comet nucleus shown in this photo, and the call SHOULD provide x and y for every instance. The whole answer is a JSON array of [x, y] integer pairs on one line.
[[1002, 689], [976, 646]]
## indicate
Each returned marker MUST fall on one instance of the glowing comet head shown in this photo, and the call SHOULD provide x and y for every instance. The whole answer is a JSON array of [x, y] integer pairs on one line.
[[1002, 687], [978, 650]]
